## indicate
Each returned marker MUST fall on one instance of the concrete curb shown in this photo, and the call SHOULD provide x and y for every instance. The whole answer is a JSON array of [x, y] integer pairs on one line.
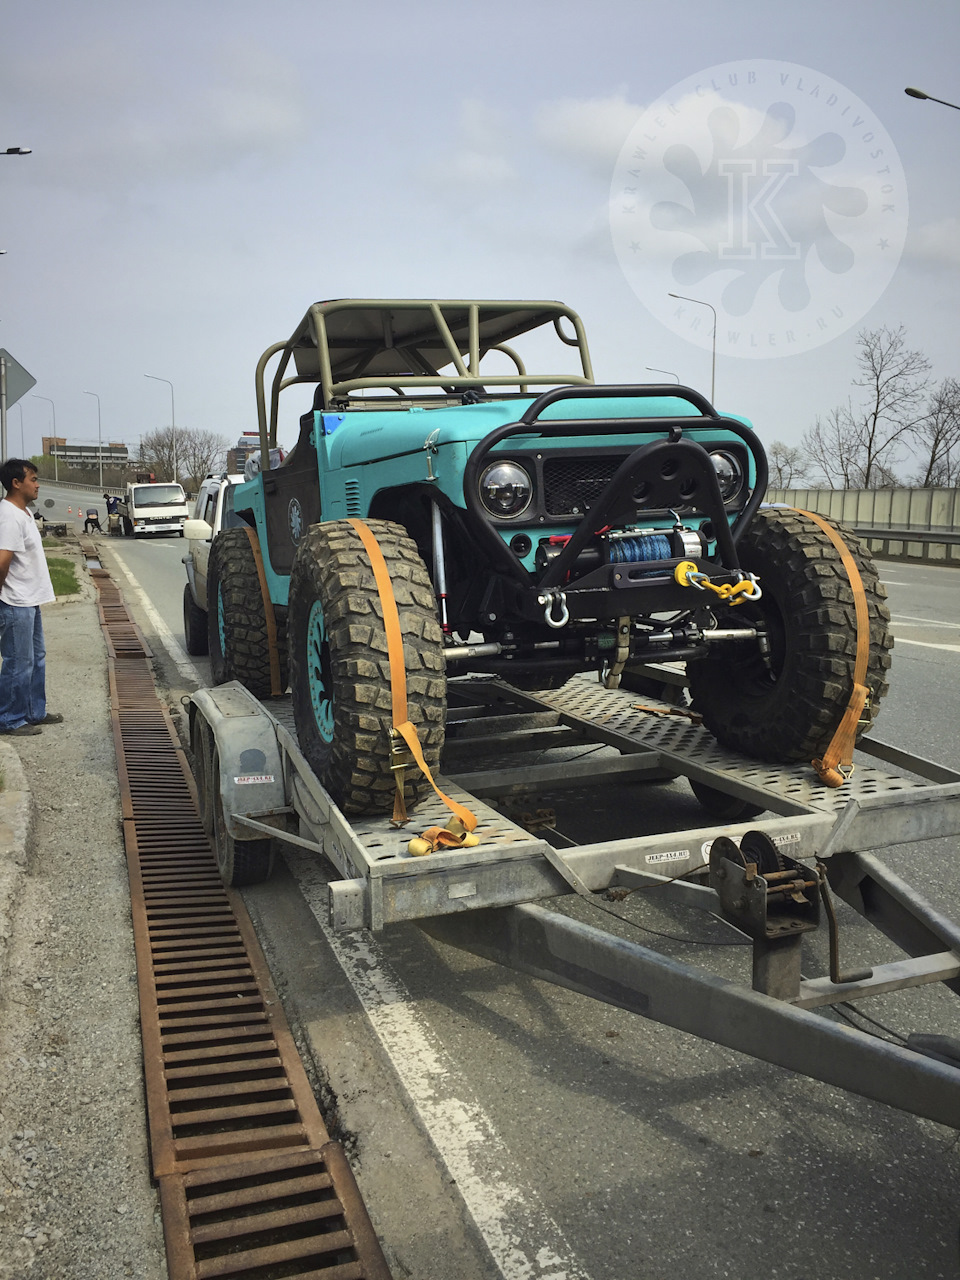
[[16, 818]]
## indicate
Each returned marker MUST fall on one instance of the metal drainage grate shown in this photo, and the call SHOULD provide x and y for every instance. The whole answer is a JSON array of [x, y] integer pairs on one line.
[[250, 1183]]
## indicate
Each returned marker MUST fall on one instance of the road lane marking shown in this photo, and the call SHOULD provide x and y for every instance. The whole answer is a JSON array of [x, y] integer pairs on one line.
[[925, 644], [930, 622], [524, 1240], [163, 632]]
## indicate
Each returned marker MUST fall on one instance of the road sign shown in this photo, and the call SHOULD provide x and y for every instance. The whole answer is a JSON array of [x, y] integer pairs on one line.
[[14, 383], [18, 380]]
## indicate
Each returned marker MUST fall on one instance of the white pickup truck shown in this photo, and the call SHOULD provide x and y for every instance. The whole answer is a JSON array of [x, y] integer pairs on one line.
[[153, 508], [212, 512]]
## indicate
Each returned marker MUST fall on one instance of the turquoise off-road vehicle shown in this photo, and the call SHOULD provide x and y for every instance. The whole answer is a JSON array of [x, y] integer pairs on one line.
[[534, 524]]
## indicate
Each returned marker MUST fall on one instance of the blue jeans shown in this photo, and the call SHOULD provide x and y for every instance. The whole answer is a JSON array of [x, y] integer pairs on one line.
[[23, 698]]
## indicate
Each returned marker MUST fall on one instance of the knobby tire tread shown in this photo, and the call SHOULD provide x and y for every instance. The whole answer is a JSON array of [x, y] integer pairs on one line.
[[246, 653], [809, 598], [332, 566]]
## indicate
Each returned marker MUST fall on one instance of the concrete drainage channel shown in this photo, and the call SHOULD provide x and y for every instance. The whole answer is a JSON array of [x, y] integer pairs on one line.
[[251, 1184]]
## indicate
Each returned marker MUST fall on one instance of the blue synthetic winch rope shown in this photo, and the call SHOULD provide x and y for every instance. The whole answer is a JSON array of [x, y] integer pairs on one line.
[[649, 546]]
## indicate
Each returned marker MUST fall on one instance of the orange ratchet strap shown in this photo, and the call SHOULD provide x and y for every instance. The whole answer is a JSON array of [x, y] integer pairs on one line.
[[276, 691], [836, 765], [402, 723]]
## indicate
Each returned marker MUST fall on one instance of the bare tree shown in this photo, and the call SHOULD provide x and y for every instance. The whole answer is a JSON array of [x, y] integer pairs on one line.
[[197, 453], [829, 448], [858, 446], [937, 438], [786, 465]]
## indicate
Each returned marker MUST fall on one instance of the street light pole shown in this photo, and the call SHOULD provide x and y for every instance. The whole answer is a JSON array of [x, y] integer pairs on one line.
[[23, 447], [173, 421], [99, 434], [918, 93], [713, 365], [653, 369], [53, 410]]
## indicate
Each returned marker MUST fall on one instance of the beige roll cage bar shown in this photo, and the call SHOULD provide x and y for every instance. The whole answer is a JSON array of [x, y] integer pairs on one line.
[[359, 344]]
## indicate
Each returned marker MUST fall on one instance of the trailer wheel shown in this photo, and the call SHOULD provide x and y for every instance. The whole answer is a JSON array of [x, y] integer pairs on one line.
[[339, 669], [239, 862], [194, 625], [236, 619], [201, 744], [789, 710]]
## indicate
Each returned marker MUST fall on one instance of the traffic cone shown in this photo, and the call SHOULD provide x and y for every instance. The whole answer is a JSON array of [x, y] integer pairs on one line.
[[69, 511]]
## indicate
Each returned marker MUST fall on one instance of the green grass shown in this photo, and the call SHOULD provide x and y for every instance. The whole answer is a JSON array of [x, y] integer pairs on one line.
[[63, 576]]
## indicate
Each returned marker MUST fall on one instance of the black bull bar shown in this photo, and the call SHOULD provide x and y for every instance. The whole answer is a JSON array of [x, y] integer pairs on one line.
[[662, 474]]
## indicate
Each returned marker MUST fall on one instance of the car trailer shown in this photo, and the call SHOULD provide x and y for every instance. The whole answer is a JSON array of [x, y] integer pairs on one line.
[[773, 878]]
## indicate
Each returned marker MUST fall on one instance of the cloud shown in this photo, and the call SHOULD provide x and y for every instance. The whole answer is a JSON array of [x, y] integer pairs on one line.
[[935, 245], [478, 160], [108, 119], [590, 131]]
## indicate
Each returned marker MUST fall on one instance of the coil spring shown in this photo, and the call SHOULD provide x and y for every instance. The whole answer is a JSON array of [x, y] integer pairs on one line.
[[649, 546]]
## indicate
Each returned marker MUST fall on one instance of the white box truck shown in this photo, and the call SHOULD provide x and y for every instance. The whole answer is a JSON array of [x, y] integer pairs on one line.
[[153, 508]]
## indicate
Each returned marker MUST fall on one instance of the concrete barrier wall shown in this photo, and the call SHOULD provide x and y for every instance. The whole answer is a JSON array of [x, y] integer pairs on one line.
[[899, 511]]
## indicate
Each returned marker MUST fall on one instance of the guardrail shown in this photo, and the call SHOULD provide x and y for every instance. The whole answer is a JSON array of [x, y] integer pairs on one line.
[[933, 546]]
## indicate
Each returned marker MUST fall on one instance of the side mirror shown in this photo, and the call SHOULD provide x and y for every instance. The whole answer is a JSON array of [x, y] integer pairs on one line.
[[197, 530]]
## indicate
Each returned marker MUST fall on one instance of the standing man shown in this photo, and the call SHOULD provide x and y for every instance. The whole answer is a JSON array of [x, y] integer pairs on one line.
[[24, 586]]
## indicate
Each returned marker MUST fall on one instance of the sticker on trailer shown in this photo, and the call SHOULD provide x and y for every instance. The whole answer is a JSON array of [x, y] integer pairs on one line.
[[466, 889], [246, 778], [676, 855], [790, 837]]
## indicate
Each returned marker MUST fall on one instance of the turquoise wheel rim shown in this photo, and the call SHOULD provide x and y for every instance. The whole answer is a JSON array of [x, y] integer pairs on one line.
[[319, 682], [221, 622]]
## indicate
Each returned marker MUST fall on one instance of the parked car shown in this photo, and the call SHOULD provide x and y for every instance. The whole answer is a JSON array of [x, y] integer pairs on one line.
[[212, 511]]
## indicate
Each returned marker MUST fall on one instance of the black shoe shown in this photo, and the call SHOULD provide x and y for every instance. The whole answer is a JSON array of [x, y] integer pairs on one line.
[[22, 731], [52, 717]]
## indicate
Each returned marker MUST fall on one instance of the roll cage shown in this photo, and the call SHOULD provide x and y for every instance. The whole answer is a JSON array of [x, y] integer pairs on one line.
[[401, 345]]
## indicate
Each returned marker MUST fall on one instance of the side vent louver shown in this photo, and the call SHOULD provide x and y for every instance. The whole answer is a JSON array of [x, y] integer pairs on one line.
[[352, 488]]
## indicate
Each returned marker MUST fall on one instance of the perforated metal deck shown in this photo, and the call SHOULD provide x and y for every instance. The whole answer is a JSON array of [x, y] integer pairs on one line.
[[382, 842], [686, 744], [382, 883]]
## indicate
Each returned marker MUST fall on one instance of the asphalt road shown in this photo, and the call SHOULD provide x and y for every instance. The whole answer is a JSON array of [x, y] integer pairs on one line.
[[588, 1142]]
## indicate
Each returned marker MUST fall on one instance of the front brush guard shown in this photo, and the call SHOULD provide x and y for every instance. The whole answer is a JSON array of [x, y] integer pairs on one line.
[[662, 474]]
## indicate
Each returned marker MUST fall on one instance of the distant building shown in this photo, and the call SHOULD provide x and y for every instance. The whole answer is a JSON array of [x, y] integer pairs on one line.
[[84, 455], [248, 443]]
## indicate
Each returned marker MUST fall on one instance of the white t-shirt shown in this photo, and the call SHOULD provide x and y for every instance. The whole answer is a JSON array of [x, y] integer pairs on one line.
[[28, 578]]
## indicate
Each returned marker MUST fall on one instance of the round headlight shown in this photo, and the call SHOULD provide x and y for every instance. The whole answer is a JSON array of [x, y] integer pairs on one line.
[[729, 473], [505, 489]]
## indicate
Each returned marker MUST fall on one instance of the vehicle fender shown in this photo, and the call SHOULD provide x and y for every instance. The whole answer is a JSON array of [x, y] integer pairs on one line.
[[251, 764]]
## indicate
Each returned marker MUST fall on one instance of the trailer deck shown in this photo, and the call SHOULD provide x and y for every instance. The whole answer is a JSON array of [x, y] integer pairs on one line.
[[494, 899]]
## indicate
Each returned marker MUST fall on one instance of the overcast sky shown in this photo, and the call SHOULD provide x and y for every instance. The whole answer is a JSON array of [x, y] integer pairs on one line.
[[202, 172]]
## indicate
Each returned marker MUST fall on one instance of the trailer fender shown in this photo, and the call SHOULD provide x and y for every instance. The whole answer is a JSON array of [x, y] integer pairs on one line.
[[250, 763]]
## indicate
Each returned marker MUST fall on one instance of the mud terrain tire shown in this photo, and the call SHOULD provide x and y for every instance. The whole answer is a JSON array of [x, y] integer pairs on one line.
[[236, 620], [809, 612], [339, 670]]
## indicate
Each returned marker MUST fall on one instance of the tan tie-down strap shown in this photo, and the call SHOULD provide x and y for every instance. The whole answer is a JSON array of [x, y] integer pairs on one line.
[[276, 688], [458, 832], [836, 764]]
